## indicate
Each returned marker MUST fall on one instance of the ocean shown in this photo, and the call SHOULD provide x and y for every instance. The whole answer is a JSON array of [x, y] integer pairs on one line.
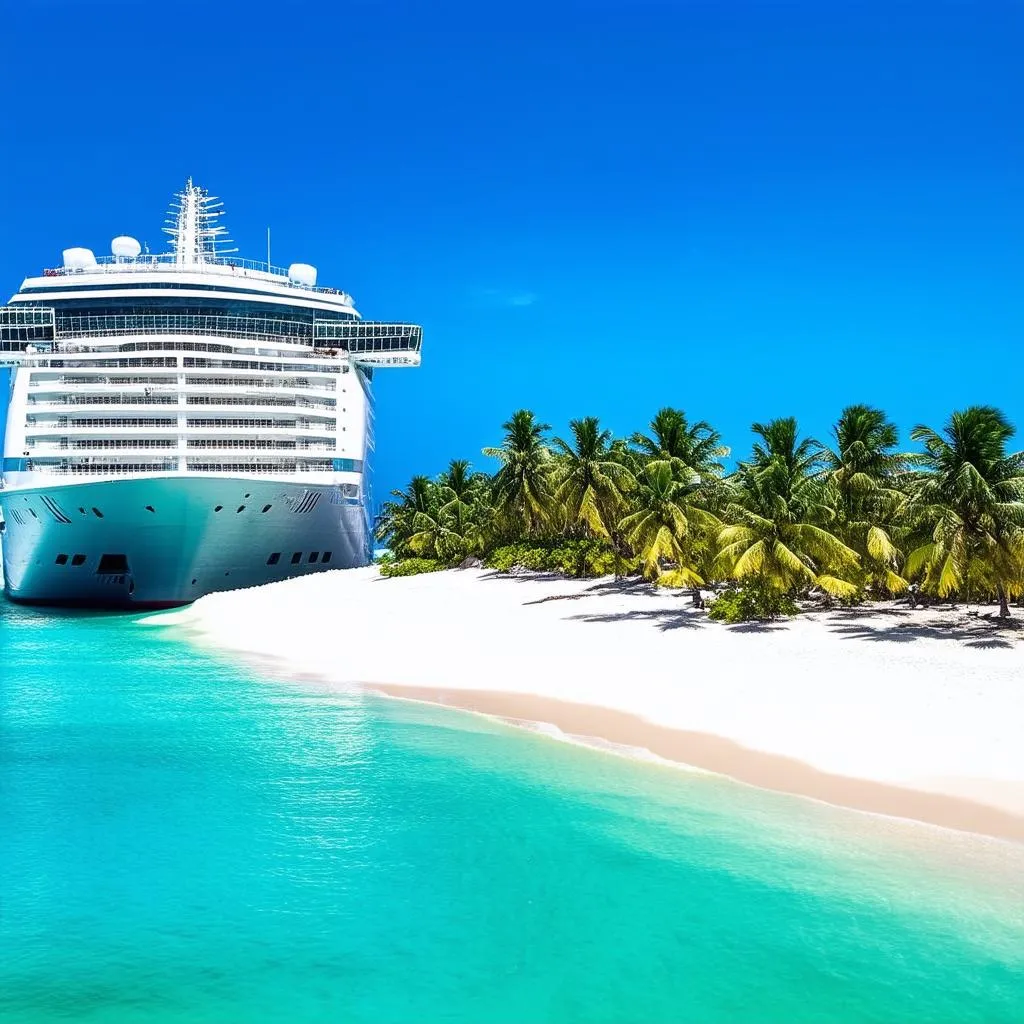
[[183, 839]]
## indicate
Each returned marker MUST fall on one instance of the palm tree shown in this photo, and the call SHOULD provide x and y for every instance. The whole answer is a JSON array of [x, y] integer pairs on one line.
[[970, 499], [863, 471], [465, 503], [775, 539], [667, 528], [447, 528], [522, 486], [395, 525], [687, 448], [589, 482]]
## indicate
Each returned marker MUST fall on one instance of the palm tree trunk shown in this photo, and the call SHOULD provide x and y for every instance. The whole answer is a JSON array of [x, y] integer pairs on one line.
[[1004, 604]]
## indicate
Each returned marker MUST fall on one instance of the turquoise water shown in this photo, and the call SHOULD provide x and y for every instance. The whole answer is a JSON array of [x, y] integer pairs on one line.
[[185, 841]]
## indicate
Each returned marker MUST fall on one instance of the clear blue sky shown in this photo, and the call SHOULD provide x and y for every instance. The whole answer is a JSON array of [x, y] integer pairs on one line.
[[744, 209]]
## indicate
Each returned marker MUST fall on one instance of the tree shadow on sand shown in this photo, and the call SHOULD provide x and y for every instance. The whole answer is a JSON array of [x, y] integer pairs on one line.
[[603, 588], [982, 634], [664, 618], [756, 627]]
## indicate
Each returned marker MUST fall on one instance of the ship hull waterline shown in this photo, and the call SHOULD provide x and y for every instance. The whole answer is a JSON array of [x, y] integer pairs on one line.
[[164, 541]]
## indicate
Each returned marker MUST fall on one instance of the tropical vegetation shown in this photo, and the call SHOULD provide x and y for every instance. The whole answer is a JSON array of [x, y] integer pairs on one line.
[[853, 519]]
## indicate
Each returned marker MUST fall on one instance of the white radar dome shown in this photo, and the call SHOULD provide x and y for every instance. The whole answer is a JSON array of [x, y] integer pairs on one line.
[[79, 259], [302, 273], [125, 246]]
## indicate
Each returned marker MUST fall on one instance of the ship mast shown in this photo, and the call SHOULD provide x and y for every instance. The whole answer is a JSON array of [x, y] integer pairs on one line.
[[196, 237]]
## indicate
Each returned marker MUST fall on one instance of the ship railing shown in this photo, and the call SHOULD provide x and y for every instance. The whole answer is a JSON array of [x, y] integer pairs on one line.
[[41, 404], [101, 468], [367, 341], [23, 326], [365, 336], [227, 266], [96, 468], [259, 330]]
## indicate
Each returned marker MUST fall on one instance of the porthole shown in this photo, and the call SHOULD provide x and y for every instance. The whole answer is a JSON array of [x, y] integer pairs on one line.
[[78, 559], [266, 508], [217, 508], [61, 560], [96, 512], [82, 510], [241, 508], [248, 495], [149, 508], [296, 558], [326, 556], [313, 556], [274, 558], [33, 511]]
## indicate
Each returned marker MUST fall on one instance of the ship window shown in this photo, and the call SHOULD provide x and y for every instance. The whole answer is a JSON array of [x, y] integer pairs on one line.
[[33, 511], [82, 510], [194, 581], [326, 556], [114, 564], [97, 513], [149, 508], [62, 559], [266, 508], [241, 508], [296, 558], [313, 556], [274, 558], [217, 508], [78, 560]]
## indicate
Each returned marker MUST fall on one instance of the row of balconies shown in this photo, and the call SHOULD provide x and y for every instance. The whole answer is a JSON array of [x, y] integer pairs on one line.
[[160, 365], [55, 435], [99, 446], [197, 385], [168, 465], [195, 403]]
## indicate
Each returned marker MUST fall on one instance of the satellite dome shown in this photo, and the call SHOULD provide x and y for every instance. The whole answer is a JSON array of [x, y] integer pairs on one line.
[[302, 273], [124, 246], [79, 259]]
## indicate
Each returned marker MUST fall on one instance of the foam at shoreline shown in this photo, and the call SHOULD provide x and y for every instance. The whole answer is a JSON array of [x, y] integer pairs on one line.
[[906, 713]]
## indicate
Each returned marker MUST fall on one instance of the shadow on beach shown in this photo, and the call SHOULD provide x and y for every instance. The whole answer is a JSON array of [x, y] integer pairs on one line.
[[883, 623], [983, 634], [664, 618]]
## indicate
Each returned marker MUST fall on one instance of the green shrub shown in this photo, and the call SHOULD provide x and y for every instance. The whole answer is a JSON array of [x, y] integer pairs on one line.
[[517, 556], [579, 558], [583, 558], [751, 602], [409, 566]]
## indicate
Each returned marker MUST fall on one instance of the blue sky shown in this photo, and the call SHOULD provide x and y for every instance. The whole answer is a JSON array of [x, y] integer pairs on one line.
[[744, 209]]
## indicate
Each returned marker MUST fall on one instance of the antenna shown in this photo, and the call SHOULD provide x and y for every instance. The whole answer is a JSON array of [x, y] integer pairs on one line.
[[196, 237]]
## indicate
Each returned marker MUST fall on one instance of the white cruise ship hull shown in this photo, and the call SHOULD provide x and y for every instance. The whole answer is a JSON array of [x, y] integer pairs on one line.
[[160, 541]]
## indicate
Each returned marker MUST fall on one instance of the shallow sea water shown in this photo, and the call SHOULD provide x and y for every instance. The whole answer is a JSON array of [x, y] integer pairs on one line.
[[182, 839]]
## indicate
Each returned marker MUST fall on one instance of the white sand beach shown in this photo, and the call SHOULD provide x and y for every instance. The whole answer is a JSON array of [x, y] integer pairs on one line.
[[918, 714]]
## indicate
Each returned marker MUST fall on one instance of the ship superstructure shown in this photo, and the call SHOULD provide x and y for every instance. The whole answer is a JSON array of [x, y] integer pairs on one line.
[[185, 422]]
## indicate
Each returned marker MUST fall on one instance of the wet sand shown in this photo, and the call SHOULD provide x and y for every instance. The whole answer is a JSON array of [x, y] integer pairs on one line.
[[725, 757], [916, 714]]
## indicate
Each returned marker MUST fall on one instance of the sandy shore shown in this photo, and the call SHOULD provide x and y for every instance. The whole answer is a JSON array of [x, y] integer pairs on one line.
[[913, 714]]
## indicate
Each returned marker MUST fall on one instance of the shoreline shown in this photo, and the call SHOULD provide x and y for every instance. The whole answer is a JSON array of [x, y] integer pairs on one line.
[[720, 756], [880, 710]]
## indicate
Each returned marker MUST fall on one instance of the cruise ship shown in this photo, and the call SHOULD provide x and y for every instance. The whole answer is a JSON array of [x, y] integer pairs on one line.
[[185, 422]]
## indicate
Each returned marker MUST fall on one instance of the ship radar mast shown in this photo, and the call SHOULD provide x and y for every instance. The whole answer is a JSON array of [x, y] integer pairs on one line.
[[196, 237]]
